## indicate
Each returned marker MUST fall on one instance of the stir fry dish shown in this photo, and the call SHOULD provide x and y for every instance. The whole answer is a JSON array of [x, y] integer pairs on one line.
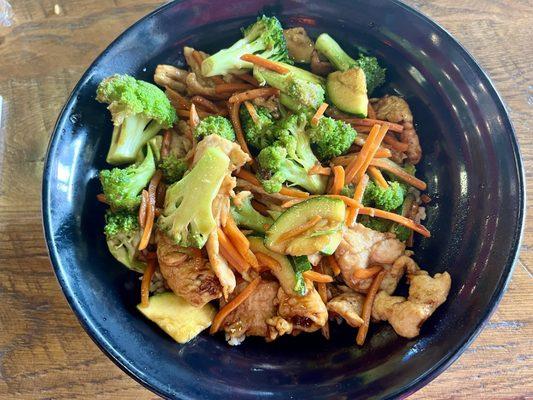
[[263, 191]]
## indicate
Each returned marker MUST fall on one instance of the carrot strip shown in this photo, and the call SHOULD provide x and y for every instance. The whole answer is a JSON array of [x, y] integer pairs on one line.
[[231, 254], [377, 176], [253, 94], [150, 210], [248, 78], [371, 151], [348, 201], [142, 208], [358, 197], [177, 100], [252, 259], [233, 304], [319, 113], [194, 119], [207, 104], [409, 223], [147, 279], [393, 168], [248, 176], [334, 265], [290, 203], [101, 198], [317, 277], [236, 121], [293, 193], [300, 229], [232, 87], [318, 169], [344, 160], [217, 80], [267, 261], [338, 179], [394, 143], [187, 113], [357, 162], [371, 122], [265, 63], [236, 237], [367, 308], [370, 112], [252, 111], [366, 273]]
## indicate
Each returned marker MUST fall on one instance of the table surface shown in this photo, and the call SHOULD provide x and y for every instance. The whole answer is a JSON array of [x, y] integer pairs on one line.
[[44, 353]]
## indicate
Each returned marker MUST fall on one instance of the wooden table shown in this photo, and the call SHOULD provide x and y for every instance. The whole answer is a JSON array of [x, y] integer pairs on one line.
[[44, 353]]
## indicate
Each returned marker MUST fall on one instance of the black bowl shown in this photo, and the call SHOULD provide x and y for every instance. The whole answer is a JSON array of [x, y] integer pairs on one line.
[[471, 163]]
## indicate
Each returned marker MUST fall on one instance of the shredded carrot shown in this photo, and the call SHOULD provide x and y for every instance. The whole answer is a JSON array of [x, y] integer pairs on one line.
[[177, 100], [317, 277], [194, 119], [371, 122], [348, 201], [293, 192], [393, 168], [382, 152], [319, 113], [371, 151], [248, 176], [236, 237], [252, 111], [366, 273], [208, 105], [230, 87], [267, 261], [253, 94], [409, 223], [150, 210], [236, 121], [358, 197], [101, 198], [318, 169], [370, 112], [233, 304], [425, 198], [248, 78], [231, 254], [252, 259], [358, 160], [290, 203], [217, 79], [187, 113], [378, 177], [142, 208], [147, 278], [334, 265], [265, 63], [394, 143], [367, 308], [299, 230], [344, 160], [338, 179]]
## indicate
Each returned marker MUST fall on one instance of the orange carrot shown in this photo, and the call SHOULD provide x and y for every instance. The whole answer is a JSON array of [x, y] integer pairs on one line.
[[371, 151], [194, 119], [253, 94], [231, 254], [217, 80], [358, 197], [233, 304], [150, 210], [232, 87], [142, 208], [334, 265], [187, 113], [252, 111], [358, 160], [252, 259], [338, 179], [319, 113], [177, 100], [265, 63], [348, 201], [367, 308], [394, 143], [371, 113], [236, 237], [371, 122], [366, 273], [317, 277], [267, 261], [299, 230], [290, 203], [248, 176], [208, 105], [409, 223], [236, 121], [318, 169], [393, 168], [293, 192], [378, 177], [147, 278]]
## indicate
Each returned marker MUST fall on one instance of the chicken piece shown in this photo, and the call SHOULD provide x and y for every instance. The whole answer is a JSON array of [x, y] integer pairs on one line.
[[348, 306], [278, 326], [195, 85], [306, 313], [320, 65], [395, 109], [250, 318], [426, 294], [171, 77], [299, 44], [237, 157], [189, 277], [220, 266], [362, 247]]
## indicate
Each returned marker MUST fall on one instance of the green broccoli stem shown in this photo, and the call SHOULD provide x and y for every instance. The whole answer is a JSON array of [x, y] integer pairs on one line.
[[292, 104], [217, 64], [129, 137], [298, 175], [250, 218], [326, 45]]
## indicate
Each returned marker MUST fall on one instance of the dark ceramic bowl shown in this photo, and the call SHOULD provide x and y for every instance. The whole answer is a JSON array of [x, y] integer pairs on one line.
[[471, 163]]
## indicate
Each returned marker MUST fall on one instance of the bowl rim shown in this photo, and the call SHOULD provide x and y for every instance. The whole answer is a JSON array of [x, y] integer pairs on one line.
[[405, 390]]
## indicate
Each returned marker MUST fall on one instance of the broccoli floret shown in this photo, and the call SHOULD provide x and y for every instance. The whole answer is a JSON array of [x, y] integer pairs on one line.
[[289, 158], [214, 125], [331, 138], [122, 186], [263, 38], [247, 216], [300, 90], [257, 134], [139, 110], [385, 199], [173, 168], [187, 217], [375, 75], [402, 232], [123, 236], [374, 223]]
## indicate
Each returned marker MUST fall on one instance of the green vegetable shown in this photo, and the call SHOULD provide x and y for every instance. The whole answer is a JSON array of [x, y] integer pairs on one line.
[[376, 224], [385, 199], [263, 38], [289, 158], [331, 138], [122, 187], [173, 168], [257, 135], [375, 75], [347, 91], [214, 125], [300, 264], [123, 236], [245, 215], [187, 217], [348, 190], [139, 110]]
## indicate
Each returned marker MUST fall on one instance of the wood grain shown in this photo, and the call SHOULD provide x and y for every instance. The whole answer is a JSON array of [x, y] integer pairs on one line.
[[44, 353]]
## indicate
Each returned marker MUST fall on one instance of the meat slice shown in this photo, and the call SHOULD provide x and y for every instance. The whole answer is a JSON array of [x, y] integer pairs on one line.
[[320, 65], [348, 306], [189, 277], [362, 247]]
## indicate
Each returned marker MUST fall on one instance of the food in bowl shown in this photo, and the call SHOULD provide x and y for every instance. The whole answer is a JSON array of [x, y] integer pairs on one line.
[[262, 198]]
